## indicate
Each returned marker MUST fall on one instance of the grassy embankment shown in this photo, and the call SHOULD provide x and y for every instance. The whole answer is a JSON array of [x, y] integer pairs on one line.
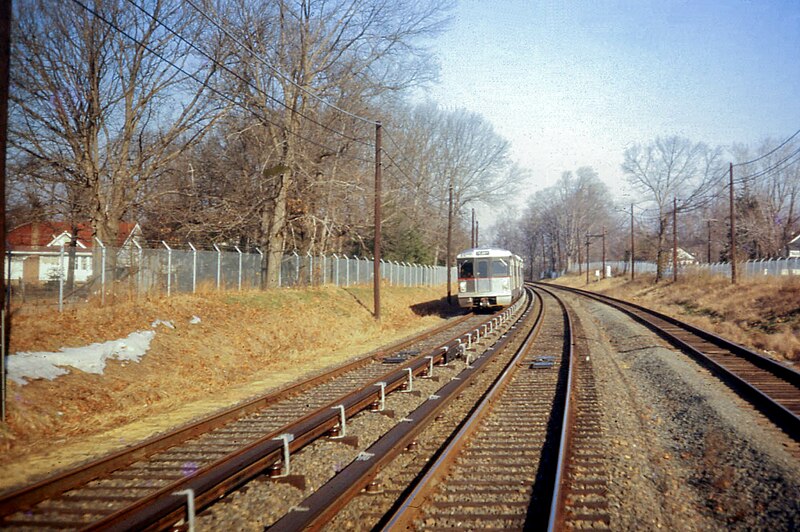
[[245, 343]]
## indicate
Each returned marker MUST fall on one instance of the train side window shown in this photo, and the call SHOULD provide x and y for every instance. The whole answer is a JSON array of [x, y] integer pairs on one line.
[[499, 268], [483, 269], [465, 269]]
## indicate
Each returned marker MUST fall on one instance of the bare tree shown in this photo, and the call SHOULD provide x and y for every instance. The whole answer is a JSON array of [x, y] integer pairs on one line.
[[290, 55], [104, 98], [672, 167]]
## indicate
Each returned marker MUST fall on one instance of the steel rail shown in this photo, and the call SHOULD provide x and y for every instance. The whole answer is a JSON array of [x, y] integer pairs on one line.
[[22, 498], [322, 506], [783, 411], [407, 508], [557, 506], [13, 500]]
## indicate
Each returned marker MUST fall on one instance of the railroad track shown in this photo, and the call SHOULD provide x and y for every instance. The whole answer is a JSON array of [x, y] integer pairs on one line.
[[773, 388], [496, 467], [498, 472], [148, 486]]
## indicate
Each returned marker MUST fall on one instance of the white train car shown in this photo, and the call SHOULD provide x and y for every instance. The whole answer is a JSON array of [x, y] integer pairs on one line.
[[488, 277]]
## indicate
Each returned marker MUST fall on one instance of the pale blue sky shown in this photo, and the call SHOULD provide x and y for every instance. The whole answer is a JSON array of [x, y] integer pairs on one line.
[[572, 83]]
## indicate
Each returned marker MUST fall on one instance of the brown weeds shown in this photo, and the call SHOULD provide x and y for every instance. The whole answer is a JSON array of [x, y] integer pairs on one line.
[[760, 312]]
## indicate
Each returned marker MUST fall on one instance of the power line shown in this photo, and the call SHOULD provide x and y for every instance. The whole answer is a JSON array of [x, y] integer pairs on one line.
[[408, 178], [781, 145], [400, 150], [240, 78], [206, 85], [774, 167], [275, 70]]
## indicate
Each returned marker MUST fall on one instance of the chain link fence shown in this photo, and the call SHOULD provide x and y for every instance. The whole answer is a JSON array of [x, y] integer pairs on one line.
[[57, 277], [751, 268]]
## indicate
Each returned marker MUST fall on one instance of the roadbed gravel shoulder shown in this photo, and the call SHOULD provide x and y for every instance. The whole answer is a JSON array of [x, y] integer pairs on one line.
[[685, 452]]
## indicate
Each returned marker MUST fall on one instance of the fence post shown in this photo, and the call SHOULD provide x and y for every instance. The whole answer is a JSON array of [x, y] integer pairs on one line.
[[296, 267], [239, 251], [60, 279], [260, 262], [169, 268], [139, 270], [102, 271], [358, 270], [194, 268], [310, 268], [219, 266], [336, 269], [324, 270]]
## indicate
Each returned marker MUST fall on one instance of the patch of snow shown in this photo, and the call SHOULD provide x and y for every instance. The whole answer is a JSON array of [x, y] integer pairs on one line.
[[195, 320], [91, 359], [165, 323]]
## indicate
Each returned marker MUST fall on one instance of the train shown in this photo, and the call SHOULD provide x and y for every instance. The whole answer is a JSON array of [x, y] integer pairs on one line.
[[488, 278]]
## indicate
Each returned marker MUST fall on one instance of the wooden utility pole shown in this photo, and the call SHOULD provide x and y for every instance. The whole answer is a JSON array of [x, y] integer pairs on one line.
[[376, 252], [674, 239], [587, 258], [472, 240], [633, 271], [5, 43], [604, 252], [733, 229], [449, 240]]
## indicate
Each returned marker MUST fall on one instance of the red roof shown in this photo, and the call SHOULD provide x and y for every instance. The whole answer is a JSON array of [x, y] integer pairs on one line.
[[39, 234]]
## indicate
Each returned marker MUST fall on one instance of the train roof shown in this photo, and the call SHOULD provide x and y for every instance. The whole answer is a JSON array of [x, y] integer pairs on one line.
[[485, 252]]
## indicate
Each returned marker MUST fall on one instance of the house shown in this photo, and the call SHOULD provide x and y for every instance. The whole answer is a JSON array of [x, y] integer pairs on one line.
[[794, 247], [39, 250], [684, 257]]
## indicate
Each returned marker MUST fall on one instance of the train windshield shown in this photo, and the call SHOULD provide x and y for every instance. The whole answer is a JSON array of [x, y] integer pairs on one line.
[[499, 268], [482, 268], [465, 269]]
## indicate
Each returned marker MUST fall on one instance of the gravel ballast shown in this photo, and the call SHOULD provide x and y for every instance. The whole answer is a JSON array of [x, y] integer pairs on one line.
[[685, 452]]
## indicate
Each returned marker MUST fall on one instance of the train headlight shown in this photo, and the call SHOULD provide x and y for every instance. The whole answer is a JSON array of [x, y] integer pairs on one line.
[[462, 286]]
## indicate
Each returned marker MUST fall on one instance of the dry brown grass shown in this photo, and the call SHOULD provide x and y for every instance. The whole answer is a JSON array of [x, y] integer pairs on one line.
[[760, 312], [269, 337]]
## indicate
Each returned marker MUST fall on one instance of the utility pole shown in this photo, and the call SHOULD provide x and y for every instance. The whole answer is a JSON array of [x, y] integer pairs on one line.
[[674, 239], [604, 252], [5, 43], [376, 252], [603, 236], [587, 258], [733, 229], [449, 240], [472, 241], [476, 233], [633, 272]]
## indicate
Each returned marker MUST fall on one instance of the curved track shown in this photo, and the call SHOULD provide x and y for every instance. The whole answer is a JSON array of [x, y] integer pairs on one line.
[[770, 386], [499, 471]]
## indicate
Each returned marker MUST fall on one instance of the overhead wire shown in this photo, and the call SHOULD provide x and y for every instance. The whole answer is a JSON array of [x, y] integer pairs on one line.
[[243, 80], [276, 71], [408, 178], [399, 149], [206, 85], [776, 166], [776, 148]]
